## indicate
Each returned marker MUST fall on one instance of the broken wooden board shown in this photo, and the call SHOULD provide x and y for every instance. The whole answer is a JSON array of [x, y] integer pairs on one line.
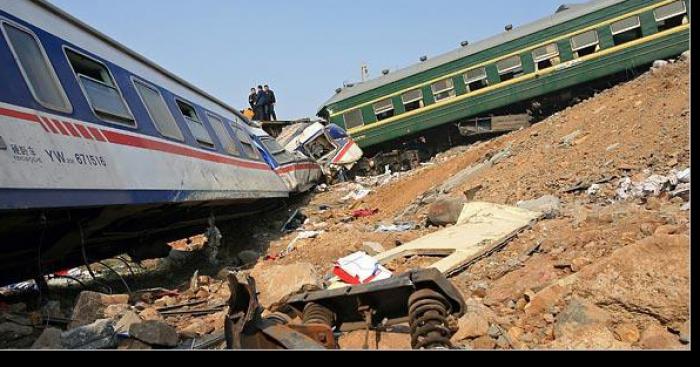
[[482, 229]]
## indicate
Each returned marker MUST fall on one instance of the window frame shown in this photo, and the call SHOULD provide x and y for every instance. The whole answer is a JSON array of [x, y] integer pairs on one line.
[[151, 86], [512, 68], [685, 11], [274, 153], [237, 127], [420, 98], [385, 109], [576, 49], [135, 124], [468, 81], [451, 89], [47, 61], [362, 119], [615, 33], [201, 122], [548, 56], [211, 115]]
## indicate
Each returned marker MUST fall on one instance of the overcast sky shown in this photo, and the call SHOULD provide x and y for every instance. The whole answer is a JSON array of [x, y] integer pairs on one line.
[[304, 49]]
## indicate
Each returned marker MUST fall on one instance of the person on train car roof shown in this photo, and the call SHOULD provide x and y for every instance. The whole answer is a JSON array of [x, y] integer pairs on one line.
[[271, 103], [260, 105]]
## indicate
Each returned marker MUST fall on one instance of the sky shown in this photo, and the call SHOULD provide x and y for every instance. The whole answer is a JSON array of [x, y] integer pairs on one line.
[[304, 49]]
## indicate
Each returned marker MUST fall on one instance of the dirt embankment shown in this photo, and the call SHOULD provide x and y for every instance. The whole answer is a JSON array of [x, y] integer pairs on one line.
[[606, 273]]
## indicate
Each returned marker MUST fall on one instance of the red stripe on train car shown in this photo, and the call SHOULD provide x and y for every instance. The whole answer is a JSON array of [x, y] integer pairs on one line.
[[50, 125], [84, 131], [139, 142], [343, 152], [71, 129], [97, 134], [60, 127], [43, 124], [19, 115]]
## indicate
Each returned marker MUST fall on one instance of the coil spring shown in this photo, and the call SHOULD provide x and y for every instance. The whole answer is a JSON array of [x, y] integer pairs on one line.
[[428, 312], [280, 318], [317, 314]]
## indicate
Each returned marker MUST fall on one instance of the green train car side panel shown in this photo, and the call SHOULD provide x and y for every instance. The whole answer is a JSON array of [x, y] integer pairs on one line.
[[594, 69]]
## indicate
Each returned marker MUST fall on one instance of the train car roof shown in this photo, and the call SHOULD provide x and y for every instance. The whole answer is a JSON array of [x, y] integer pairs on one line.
[[58, 12], [563, 14]]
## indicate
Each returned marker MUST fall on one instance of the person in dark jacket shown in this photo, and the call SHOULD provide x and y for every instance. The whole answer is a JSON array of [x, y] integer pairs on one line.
[[271, 100], [252, 97], [261, 102]]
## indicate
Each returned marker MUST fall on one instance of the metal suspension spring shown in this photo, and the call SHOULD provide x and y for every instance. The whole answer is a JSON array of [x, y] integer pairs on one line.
[[428, 312], [317, 314]]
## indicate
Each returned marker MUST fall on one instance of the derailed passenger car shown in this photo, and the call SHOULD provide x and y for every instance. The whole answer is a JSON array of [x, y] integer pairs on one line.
[[299, 172], [328, 145]]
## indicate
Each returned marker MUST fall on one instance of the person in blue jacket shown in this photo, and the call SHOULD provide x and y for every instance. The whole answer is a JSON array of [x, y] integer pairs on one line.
[[261, 105]]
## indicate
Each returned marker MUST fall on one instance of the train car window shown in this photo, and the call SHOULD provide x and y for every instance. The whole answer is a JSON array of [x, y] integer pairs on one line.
[[476, 79], [626, 30], [195, 124], [546, 56], [282, 156], [246, 142], [100, 88], [158, 111], [585, 43], [671, 15], [444, 89], [510, 68], [353, 119], [412, 100], [384, 109], [224, 137], [36, 69]]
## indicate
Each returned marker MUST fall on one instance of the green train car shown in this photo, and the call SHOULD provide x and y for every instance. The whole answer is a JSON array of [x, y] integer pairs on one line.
[[579, 44]]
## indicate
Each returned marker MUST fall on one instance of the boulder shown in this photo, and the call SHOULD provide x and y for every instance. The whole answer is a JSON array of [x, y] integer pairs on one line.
[[377, 341], [656, 337], [583, 326], [49, 339], [548, 205], [98, 335], [658, 64], [446, 211], [628, 333], [91, 306], [471, 326], [282, 281], [483, 343], [124, 324], [649, 277], [196, 329], [685, 56], [156, 333], [11, 331]]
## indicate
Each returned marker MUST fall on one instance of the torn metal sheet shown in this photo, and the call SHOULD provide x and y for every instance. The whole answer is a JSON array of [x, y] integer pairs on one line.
[[482, 228]]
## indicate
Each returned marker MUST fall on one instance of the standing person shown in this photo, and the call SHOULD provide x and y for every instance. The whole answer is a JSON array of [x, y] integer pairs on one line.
[[261, 105], [271, 100], [252, 97]]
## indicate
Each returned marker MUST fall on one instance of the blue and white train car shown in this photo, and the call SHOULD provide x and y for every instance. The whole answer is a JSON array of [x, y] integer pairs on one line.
[[299, 172], [103, 150]]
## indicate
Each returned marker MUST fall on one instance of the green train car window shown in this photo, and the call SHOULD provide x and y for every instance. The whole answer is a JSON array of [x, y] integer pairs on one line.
[[585, 44], [510, 68], [546, 56], [353, 119], [444, 89], [476, 79], [671, 15], [412, 100], [384, 109], [626, 30]]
